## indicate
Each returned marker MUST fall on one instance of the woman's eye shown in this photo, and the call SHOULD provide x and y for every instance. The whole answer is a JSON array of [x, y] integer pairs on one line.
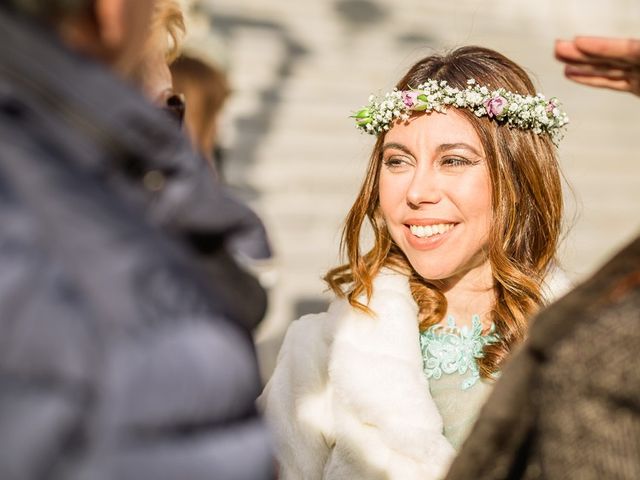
[[455, 162], [395, 162]]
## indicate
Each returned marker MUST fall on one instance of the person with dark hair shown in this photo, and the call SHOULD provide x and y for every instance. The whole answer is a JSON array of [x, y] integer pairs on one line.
[[124, 322], [568, 404], [464, 198], [207, 89]]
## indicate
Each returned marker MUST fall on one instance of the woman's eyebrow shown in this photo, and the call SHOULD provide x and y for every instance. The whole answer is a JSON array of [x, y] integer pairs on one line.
[[397, 146], [453, 146]]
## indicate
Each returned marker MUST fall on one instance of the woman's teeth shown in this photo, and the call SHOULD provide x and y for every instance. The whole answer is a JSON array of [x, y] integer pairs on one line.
[[426, 231]]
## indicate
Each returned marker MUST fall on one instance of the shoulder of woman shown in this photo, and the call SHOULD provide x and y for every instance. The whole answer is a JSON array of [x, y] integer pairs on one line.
[[296, 401], [388, 280], [309, 340], [391, 295], [308, 336], [304, 355]]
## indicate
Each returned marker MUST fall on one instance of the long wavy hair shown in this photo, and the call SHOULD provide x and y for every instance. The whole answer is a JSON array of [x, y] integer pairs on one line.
[[527, 210]]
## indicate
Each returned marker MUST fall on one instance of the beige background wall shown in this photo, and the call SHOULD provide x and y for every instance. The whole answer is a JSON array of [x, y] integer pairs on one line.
[[299, 68]]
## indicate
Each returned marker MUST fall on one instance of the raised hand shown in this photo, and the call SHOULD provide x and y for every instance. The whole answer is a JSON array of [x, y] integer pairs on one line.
[[602, 62]]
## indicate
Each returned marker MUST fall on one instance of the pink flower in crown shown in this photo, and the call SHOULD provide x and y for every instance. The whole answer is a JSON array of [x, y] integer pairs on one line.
[[495, 106], [409, 98], [551, 105]]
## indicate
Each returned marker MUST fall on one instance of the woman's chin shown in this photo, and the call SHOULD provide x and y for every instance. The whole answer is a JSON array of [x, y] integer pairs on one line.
[[432, 273], [450, 273]]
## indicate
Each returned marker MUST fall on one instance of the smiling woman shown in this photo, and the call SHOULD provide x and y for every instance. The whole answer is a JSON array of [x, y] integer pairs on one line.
[[435, 196], [514, 146], [464, 198]]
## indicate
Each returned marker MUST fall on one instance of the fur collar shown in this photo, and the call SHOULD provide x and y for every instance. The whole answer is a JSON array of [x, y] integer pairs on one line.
[[375, 368]]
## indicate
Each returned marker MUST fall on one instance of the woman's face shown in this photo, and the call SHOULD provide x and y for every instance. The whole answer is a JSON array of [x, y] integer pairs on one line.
[[435, 194]]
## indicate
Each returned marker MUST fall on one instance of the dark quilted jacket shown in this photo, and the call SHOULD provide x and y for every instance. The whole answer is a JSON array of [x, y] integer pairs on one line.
[[124, 325]]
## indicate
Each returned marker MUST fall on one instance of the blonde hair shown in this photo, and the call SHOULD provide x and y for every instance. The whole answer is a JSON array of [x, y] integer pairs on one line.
[[526, 208], [167, 26]]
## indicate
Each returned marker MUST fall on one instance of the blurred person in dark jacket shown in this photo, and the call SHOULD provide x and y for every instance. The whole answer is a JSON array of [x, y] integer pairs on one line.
[[121, 357], [243, 230], [568, 404]]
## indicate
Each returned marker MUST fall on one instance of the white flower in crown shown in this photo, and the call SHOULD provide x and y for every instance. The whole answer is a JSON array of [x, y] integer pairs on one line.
[[527, 112]]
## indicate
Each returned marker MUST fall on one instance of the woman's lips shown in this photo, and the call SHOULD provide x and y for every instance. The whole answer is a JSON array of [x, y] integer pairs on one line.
[[425, 231], [428, 234]]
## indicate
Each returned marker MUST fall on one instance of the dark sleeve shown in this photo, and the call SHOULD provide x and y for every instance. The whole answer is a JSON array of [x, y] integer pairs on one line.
[[589, 405]]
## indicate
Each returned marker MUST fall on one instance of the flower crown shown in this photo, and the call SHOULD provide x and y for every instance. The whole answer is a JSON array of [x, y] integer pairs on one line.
[[526, 112]]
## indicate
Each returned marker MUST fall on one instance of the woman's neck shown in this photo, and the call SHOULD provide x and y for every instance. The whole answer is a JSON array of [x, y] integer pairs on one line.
[[470, 293]]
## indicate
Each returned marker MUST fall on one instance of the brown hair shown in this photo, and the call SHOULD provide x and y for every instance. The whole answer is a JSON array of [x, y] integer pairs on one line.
[[209, 88], [526, 208]]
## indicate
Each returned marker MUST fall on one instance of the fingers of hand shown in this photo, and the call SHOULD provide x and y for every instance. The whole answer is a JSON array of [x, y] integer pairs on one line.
[[626, 50], [623, 85], [591, 70], [611, 53], [566, 51], [602, 62]]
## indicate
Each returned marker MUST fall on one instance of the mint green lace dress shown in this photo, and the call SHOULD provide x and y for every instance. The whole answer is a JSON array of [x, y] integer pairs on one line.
[[450, 356]]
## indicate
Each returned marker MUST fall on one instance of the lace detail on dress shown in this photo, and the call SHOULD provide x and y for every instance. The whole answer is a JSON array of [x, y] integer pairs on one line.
[[447, 349]]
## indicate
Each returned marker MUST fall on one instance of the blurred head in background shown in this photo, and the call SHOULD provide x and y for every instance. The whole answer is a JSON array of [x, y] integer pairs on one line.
[[161, 47], [112, 31], [205, 88]]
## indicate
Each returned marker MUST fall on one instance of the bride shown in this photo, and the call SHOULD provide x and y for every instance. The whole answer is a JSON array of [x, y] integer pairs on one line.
[[463, 195]]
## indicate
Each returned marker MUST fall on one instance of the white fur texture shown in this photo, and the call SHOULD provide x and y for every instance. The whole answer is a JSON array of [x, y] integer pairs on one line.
[[349, 400]]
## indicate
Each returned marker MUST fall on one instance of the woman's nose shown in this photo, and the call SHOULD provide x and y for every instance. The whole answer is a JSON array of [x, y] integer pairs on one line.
[[424, 188]]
